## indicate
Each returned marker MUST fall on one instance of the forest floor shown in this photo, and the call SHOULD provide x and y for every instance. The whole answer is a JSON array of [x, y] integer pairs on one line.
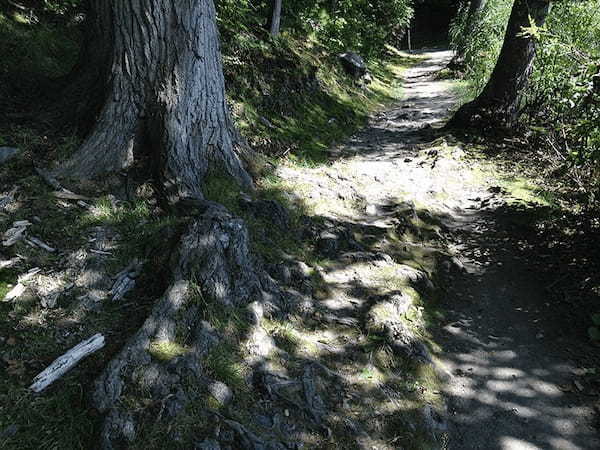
[[517, 375], [430, 312]]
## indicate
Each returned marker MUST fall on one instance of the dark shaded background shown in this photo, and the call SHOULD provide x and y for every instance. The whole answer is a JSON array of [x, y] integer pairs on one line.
[[431, 23]]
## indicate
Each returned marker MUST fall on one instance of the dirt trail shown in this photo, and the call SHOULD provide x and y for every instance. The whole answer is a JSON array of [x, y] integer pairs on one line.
[[506, 369]]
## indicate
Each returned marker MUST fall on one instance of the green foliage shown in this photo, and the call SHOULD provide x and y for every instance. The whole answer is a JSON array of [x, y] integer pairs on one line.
[[561, 107], [564, 94], [32, 49], [361, 25], [166, 350], [482, 45], [63, 7], [594, 331]]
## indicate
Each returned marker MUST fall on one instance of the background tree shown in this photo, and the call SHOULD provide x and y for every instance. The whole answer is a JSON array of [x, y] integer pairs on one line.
[[473, 14], [499, 101], [276, 18]]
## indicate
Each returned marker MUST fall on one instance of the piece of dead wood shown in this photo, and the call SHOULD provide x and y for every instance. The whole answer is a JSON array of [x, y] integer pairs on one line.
[[29, 275], [7, 264], [125, 280], [9, 198], [14, 293], [39, 243], [15, 233], [60, 192], [66, 362], [121, 287], [100, 252], [68, 195], [49, 179]]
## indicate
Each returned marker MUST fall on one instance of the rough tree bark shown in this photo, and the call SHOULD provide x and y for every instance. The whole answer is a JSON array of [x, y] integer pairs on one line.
[[275, 24], [498, 103], [156, 82], [215, 253]]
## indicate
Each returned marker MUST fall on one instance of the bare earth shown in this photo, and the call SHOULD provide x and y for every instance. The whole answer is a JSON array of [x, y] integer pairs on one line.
[[506, 369]]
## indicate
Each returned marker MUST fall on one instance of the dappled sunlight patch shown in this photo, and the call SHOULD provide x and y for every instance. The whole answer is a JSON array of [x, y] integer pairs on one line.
[[526, 191], [166, 350]]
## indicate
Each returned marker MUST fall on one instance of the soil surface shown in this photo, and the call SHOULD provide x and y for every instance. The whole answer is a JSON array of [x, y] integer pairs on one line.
[[415, 272], [511, 382]]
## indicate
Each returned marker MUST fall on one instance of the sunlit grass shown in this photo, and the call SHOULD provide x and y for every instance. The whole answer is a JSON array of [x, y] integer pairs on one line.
[[166, 350]]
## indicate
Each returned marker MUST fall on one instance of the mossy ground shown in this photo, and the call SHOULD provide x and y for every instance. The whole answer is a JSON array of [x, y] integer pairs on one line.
[[292, 102]]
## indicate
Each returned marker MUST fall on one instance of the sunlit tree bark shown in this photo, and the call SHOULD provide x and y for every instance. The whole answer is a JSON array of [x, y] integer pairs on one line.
[[159, 95]]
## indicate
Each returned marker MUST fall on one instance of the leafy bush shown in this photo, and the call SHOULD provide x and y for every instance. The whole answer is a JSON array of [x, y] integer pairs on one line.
[[561, 107], [594, 331], [482, 46], [564, 94], [361, 25]]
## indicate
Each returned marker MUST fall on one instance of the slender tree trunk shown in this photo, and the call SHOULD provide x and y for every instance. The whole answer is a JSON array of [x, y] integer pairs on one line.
[[159, 89], [475, 9], [499, 101], [276, 18]]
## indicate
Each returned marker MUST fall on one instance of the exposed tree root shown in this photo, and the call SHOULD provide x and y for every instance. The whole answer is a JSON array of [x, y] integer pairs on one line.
[[214, 262]]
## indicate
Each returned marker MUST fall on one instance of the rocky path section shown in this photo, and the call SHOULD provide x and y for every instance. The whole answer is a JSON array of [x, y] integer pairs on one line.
[[511, 385]]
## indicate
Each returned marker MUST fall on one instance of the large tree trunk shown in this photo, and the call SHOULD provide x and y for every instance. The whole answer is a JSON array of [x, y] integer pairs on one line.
[[157, 88], [499, 101], [159, 93], [276, 18]]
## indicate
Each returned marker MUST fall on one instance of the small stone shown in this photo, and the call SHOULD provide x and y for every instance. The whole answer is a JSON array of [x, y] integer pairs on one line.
[[9, 431], [353, 64], [220, 392], [264, 421], [434, 420], [227, 436], [302, 269], [402, 303], [327, 243], [280, 272], [8, 153]]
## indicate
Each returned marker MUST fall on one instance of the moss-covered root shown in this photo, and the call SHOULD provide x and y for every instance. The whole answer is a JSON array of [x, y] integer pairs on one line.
[[160, 365]]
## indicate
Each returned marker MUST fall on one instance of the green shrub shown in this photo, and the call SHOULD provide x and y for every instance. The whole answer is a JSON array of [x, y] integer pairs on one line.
[[561, 107], [361, 25]]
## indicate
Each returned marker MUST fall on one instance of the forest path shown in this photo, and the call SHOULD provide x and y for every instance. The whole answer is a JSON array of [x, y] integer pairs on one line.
[[508, 375]]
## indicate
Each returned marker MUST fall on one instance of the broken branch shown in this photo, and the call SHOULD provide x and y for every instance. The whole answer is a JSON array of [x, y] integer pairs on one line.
[[66, 362]]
